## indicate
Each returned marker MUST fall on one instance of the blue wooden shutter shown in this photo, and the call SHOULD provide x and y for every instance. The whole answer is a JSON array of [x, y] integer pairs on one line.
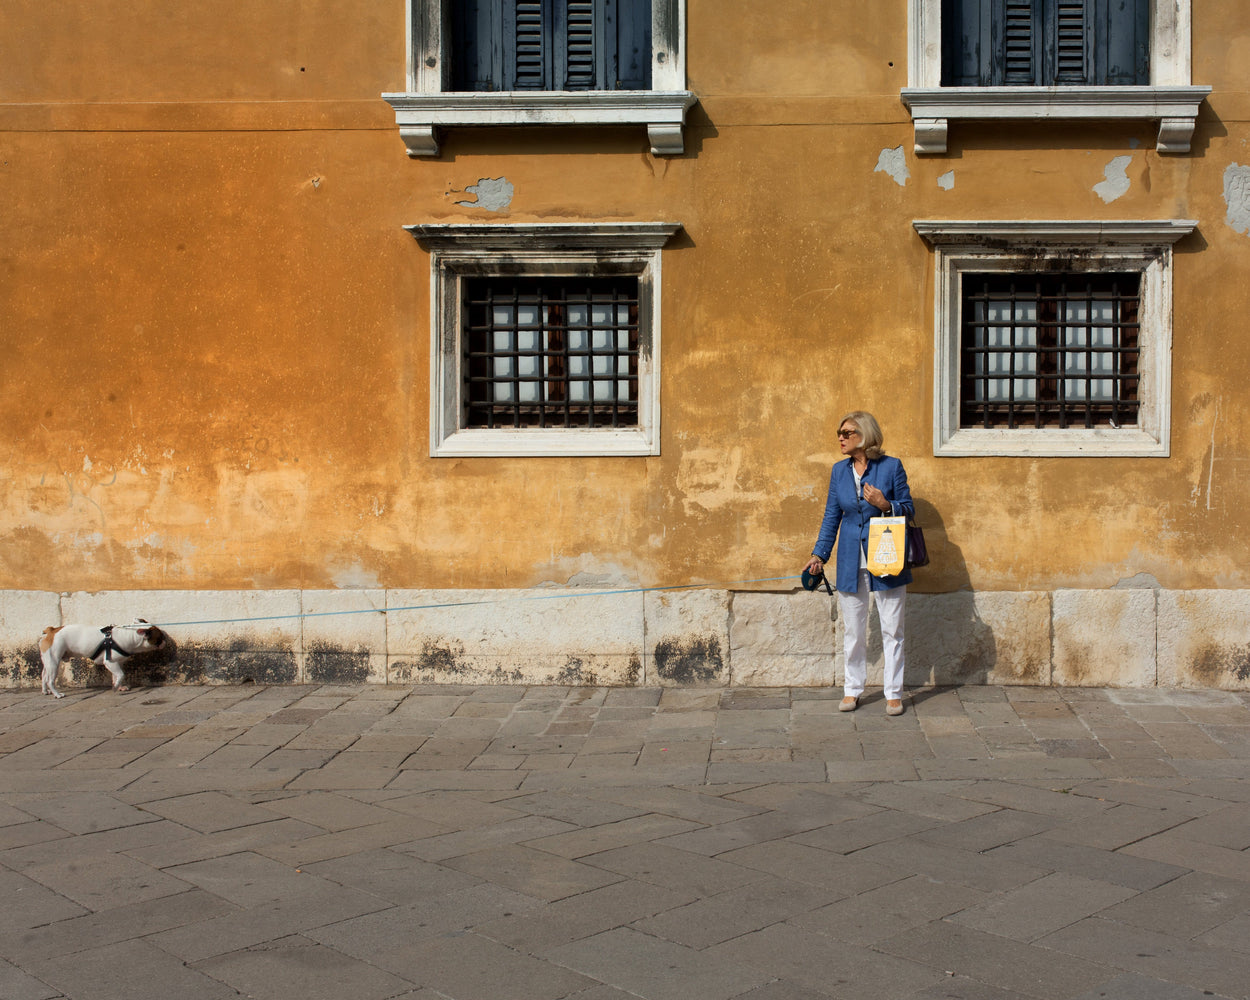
[[1068, 30], [968, 43], [585, 54], [1121, 43], [1042, 43], [632, 38], [477, 49], [527, 46], [1018, 26]]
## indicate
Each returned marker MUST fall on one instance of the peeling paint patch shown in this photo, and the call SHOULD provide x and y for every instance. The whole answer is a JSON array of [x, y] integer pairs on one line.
[[1237, 197], [893, 162], [493, 194], [1117, 183], [355, 577], [947, 180]]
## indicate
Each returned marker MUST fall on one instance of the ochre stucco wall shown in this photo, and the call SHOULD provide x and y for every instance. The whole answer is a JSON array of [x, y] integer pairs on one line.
[[216, 332]]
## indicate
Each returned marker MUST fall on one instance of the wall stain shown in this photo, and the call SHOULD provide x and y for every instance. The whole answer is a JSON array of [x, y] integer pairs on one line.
[[326, 663], [575, 674], [434, 658], [696, 661], [239, 663], [21, 667], [1214, 664]]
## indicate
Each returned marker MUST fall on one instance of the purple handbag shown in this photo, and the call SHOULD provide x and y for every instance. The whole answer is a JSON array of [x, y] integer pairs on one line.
[[917, 551]]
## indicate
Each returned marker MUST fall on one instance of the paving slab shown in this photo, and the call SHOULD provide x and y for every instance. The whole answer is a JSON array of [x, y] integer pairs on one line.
[[121, 923], [432, 916], [988, 958], [298, 967], [132, 969], [1115, 867], [1152, 955], [887, 911], [1043, 906], [655, 969], [730, 914], [821, 963], [18, 985], [472, 967]]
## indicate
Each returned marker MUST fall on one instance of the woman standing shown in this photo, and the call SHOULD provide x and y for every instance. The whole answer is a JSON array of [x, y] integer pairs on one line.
[[867, 485]]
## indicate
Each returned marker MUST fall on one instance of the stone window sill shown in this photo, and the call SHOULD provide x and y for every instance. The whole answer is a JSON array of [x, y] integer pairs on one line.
[[421, 116], [1175, 108]]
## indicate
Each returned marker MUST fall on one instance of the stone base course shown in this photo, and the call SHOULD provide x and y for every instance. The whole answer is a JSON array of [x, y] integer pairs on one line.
[[1127, 638]]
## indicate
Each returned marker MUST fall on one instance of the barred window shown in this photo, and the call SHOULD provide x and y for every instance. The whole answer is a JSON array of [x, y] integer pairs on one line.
[[1050, 350], [545, 338], [556, 352]]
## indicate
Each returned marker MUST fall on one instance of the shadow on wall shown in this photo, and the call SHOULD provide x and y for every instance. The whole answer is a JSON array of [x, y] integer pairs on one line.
[[947, 640]]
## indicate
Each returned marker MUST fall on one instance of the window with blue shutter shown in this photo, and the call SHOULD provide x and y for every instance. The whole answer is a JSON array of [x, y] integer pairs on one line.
[[551, 45], [1045, 43]]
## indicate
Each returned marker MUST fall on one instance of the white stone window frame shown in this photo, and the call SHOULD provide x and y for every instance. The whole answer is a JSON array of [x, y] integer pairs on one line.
[[1170, 98], [1013, 246], [539, 250], [428, 107]]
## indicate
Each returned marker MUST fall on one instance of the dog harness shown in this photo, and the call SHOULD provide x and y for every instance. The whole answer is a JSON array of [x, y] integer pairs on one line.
[[109, 646]]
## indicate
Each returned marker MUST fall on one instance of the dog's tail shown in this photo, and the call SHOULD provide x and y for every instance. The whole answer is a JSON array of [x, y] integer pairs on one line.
[[48, 635]]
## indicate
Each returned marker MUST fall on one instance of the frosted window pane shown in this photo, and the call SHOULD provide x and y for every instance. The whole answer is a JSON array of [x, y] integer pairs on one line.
[[1008, 329], [1076, 361]]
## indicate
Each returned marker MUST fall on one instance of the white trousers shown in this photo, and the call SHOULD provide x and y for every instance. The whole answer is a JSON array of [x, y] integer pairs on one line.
[[854, 611]]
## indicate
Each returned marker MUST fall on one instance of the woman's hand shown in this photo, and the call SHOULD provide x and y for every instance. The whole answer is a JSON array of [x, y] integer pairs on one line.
[[875, 497], [816, 566]]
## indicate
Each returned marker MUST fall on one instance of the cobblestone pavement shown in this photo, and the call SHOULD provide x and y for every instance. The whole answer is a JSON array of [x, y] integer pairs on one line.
[[521, 843]]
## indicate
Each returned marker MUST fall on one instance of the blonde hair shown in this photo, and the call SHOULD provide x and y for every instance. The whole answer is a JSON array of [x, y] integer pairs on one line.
[[869, 430]]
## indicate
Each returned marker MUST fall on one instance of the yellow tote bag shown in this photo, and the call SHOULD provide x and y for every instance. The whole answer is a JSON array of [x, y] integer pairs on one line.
[[887, 545]]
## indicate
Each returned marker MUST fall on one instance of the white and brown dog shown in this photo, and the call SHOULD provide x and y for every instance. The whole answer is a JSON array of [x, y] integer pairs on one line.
[[108, 647]]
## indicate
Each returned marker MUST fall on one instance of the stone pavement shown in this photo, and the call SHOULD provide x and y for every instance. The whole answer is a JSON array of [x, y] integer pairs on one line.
[[514, 843]]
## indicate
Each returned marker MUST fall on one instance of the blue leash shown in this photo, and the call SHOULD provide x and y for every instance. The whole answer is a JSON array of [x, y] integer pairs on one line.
[[454, 604]]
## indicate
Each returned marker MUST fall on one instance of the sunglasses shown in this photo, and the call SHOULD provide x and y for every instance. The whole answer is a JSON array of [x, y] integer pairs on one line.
[[847, 434]]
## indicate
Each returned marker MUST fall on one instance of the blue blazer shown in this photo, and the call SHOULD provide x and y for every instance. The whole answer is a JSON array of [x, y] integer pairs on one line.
[[847, 511]]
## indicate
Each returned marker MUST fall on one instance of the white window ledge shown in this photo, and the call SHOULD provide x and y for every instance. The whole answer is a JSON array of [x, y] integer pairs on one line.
[[421, 116], [1175, 108], [1122, 442], [1058, 234], [537, 443]]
